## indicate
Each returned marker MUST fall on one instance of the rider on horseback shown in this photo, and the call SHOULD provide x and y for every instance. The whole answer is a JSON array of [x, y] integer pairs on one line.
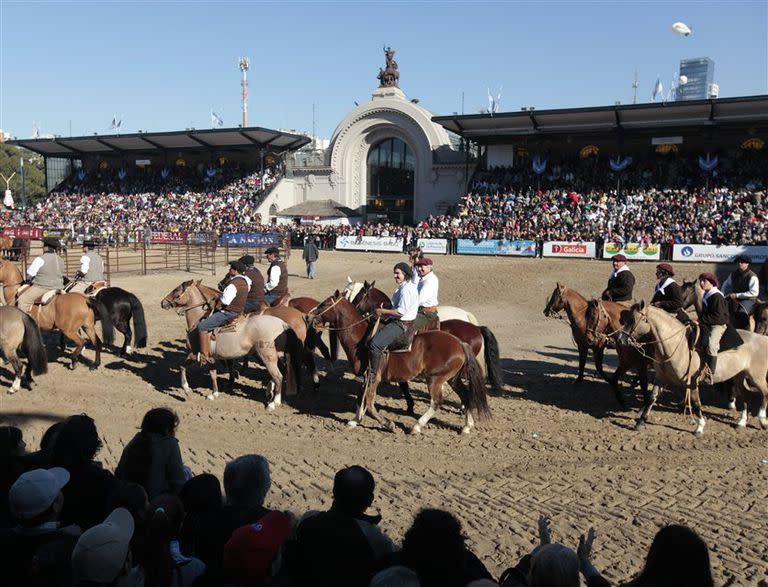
[[668, 296], [428, 286], [405, 305], [714, 319], [256, 293], [45, 273], [91, 264], [277, 276], [621, 282], [232, 300], [742, 285]]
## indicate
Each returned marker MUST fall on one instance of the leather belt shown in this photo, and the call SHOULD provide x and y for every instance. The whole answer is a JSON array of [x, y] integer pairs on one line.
[[428, 309]]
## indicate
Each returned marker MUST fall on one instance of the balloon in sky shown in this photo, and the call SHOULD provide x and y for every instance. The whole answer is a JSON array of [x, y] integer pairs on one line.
[[680, 28], [683, 80]]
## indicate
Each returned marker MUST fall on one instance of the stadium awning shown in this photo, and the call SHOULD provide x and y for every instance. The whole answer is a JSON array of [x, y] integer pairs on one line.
[[515, 125], [321, 208], [147, 142]]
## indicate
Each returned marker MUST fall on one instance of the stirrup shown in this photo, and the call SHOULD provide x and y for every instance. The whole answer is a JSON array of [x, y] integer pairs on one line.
[[205, 359]]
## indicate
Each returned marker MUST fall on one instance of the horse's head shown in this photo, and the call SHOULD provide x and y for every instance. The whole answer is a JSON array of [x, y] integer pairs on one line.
[[760, 315], [556, 301], [352, 289], [634, 322], [178, 298], [326, 311]]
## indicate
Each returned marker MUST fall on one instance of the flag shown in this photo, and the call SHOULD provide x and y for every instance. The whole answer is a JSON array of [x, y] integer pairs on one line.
[[491, 103], [216, 120], [113, 126], [658, 89]]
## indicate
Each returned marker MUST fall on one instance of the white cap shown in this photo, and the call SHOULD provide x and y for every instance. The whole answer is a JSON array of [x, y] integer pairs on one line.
[[100, 552], [35, 491]]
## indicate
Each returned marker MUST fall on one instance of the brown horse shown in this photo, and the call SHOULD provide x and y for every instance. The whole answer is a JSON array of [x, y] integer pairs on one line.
[[71, 312], [314, 339], [17, 329], [261, 336], [10, 279], [603, 319], [575, 306], [437, 356], [479, 338]]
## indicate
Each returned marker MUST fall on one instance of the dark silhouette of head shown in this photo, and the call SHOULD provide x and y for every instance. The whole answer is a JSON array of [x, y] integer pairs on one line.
[[353, 490], [77, 442], [678, 557], [434, 547]]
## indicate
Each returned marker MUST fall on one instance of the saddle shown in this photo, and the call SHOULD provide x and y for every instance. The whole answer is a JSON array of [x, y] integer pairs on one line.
[[230, 325], [95, 288], [282, 300], [47, 297], [731, 339]]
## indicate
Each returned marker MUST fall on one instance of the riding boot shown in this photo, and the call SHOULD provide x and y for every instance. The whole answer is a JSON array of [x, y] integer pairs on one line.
[[709, 372], [203, 357], [373, 366]]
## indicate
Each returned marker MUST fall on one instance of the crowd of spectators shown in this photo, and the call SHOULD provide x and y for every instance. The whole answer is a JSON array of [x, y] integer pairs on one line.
[[113, 209], [67, 521]]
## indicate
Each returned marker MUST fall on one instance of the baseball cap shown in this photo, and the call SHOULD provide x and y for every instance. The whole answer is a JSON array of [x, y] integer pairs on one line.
[[101, 551], [35, 491], [251, 550]]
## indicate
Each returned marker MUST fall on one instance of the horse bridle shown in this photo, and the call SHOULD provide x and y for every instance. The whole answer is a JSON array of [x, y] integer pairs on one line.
[[175, 303]]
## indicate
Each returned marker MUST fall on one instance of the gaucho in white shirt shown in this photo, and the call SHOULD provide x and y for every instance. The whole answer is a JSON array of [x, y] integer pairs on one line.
[[428, 285]]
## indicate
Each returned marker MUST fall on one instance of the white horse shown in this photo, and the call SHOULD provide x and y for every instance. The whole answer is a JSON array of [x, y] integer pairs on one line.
[[446, 312], [677, 365]]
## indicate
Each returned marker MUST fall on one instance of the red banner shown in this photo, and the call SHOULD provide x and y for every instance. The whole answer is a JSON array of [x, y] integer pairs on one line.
[[168, 237], [23, 232]]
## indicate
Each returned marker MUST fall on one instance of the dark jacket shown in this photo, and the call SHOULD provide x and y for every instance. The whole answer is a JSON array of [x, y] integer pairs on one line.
[[620, 287], [86, 494], [714, 311], [671, 300], [310, 252], [282, 284], [166, 473], [237, 305], [19, 546], [256, 293]]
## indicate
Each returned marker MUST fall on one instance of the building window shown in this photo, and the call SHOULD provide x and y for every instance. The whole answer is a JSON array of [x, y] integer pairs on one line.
[[391, 170]]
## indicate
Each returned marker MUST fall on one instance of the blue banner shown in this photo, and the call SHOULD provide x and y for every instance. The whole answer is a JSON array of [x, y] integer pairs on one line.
[[259, 239], [506, 247]]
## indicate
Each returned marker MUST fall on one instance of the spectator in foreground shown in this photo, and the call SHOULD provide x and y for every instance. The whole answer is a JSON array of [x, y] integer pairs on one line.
[[252, 554], [152, 458], [102, 555], [203, 504], [133, 497], [397, 576], [12, 447], [343, 546]]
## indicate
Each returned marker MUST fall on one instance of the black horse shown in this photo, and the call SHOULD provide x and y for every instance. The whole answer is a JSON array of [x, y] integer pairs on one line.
[[122, 306]]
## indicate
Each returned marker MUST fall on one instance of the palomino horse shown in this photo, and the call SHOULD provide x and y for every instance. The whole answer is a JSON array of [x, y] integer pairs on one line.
[[122, 307], [575, 306], [479, 338], [353, 288], [603, 319], [677, 365], [760, 315], [437, 356], [292, 317], [19, 330], [262, 336], [71, 312], [692, 296], [10, 279]]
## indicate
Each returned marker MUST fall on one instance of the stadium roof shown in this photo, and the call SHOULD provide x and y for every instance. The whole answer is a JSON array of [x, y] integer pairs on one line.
[[604, 119], [322, 208], [148, 142]]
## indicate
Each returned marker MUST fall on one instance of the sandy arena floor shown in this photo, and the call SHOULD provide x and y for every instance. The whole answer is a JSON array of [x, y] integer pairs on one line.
[[551, 447]]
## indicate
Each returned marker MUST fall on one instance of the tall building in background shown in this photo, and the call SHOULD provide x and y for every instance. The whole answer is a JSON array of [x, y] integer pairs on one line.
[[700, 73]]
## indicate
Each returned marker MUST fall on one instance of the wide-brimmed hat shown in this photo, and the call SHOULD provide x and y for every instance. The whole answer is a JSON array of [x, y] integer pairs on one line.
[[247, 260], [100, 552], [272, 251], [238, 266], [619, 257], [35, 491], [423, 261], [710, 277], [666, 267], [54, 243]]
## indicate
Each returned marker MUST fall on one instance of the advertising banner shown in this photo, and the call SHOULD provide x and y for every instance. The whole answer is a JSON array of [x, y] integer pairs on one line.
[[433, 245], [168, 237], [23, 232], [569, 249], [200, 238], [633, 251], [391, 244], [256, 239], [504, 247], [719, 253], [56, 232]]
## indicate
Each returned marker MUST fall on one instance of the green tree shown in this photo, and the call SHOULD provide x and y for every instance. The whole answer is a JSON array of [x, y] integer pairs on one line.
[[34, 172]]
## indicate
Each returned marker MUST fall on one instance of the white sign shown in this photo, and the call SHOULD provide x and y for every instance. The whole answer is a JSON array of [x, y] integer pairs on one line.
[[718, 253], [370, 243], [433, 245], [568, 249], [633, 251], [667, 141]]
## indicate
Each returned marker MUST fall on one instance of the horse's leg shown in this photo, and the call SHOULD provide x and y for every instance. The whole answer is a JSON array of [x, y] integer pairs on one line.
[[740, 383], [461, 390], [762, 386], [435, 387], [62, 342], [698, 415], [582, 363], [309, 361], [598, 352], [408, 397], [366, 397], [614, 382], [124, 328], [649, 398], [90, 330], [75, 337], [275, 386], [17, 370], [214, 383], [191, 358]]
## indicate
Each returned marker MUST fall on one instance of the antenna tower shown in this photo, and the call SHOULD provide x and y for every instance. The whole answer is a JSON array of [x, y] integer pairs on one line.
[[244, 64]]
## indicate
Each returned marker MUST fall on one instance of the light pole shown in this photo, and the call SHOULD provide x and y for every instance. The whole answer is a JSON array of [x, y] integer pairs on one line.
[[244, 64]]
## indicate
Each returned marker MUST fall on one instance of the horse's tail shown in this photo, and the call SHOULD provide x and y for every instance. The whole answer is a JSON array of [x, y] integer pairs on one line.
[[333, 339], [139, 324], [100, 311], [475, 399], [34, 347], [294, 351], [492, 361]]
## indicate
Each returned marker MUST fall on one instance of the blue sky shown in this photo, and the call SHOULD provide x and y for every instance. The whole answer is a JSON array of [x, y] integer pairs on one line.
[[164, 65]]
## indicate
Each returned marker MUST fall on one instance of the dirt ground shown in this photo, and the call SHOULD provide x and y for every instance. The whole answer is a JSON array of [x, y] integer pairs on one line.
[[551, 447]]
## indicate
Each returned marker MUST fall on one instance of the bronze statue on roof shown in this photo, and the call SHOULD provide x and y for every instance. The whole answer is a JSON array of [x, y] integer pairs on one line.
[[389, 76]]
